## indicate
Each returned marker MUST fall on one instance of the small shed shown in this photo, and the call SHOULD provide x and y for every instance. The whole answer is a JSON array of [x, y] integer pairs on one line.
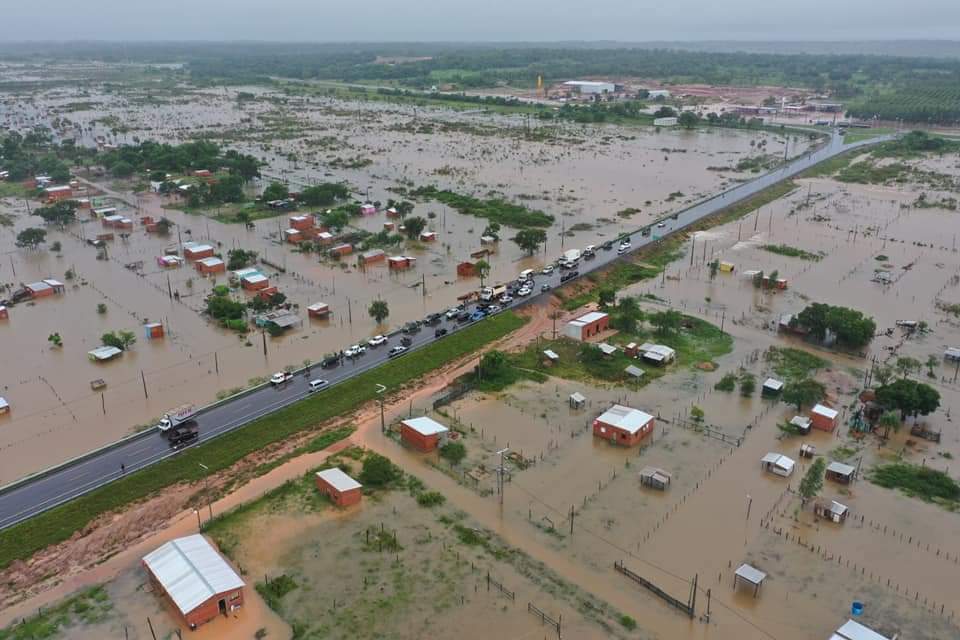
[[342, 490], [341, 250], [952, 353], [607, 349], [392, 212], [371, 257], [823, 417], [195, 251], [428, 236], [4, 314], [196, 579], [292, 236], [550, 357], [623, 425], [852, 630], [839, 472], [4, 406], [632, 350], [777, 464], [577, 400], [657, 353], [324, 238], [423, 434], [634, 372], [772, 387], [726, 267], [389, 226], [102, 354], [399, 263], [254, 282], [802, 423], [169, 262], [807, 450], [124, 224], [466, 269], [210, 265], [153, 330], [655, 478], [318, 310], [367, 209], [750, 575], [831, 510], [587, 325]]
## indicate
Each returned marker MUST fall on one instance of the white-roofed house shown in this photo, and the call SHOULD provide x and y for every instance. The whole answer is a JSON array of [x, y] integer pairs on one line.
[[342, 490], [195, 577], [657, 353], [424, 434], [777, 464], [823, 417], [839, 472], [852, 630], [623, 425], [589, 324]]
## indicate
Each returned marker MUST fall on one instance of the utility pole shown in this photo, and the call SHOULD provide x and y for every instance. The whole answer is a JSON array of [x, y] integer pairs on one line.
[[380, 390], [572, 514], [216, 362], [206, 484], [144, 379], [500, 472], [263, 335]]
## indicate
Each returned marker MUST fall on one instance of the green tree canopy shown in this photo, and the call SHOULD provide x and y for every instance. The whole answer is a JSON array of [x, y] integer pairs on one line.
[[379, 310], [530, 239], [909, 397], [413, 226], [813, 480], [60, 213], [31, 238], [378, 471], [806, 391], [276, 191]]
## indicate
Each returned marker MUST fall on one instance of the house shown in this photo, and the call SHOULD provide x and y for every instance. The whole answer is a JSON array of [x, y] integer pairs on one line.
[[550, 357], [202, 173], [831, 510], [124, 224], [423, 434], [254, 281], [623, 425], [56, 194], [102, 354], [342, 490], [301, 223], [607, 349], [324, 238], [726, 267], [293, 236], [590, 324], [669, 121], [655, 478], [393, 213], [823, 418], [577, 400], [103, 212], [371, 257], [807, 450], [389, 226], [367, 209], [197, 251], [466, 269], [839, 472], [195, 578], [153, 330], [341, 250], [657, 353], [428, 236], [169, 262], [777, 464], [318, 310], [399, 263], [4, 406], [104, 237], [750, 575], [277, 320], [111, 220], [267, 293], [39, 289], [855, 631], [210, 265], [771, 387]]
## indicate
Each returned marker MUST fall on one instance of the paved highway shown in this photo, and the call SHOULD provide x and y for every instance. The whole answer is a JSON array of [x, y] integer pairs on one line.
[[29, 497]]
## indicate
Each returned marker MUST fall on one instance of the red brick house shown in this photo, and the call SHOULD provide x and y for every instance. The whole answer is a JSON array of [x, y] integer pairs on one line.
[[423, 434], [342, 490], [466, 269], [587, 325], [195, 578], [623, 425], [56, 194], [210, 265], [194, 251], [823, 417]]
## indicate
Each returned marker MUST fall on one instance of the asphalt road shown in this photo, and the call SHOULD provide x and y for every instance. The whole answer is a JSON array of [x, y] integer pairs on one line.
[[22, 500]]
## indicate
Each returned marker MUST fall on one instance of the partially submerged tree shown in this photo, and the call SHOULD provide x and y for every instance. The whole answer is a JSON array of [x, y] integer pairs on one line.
[[530, 239], [31, 238], [122, 340], [413, 226], [803, 392], [812, 481], [379, 310], [59, 213], [482, 267]]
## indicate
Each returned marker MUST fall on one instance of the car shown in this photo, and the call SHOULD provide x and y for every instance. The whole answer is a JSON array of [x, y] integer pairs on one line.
[[280, 377], [547, 270], [661, 225], [330, 361], [527, 283], [506, 299], [439, 332], [566, 264], [608, 245], [569, 275], [433, 318], [494, 308], [411, 327], [463, 316], [317, 385], [545, 287], [453, 312], [180, 438], [398, 350], [406, 341], [377, 340], [477, 315], [524, 292], [355, 351]]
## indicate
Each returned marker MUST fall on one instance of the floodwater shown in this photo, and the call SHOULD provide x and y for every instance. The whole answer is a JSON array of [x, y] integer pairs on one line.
[[584, 176]]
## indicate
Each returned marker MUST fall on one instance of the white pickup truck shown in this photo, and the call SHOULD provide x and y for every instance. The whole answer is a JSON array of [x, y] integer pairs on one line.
[[176, 417]]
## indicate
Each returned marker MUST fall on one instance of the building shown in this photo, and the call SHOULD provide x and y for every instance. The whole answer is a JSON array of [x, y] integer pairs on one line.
[[293, 236], [830, 510], [340, 250], [577, 400], [197, 251], [4, 406], [102, 354], [777, 464], [318, 310], [428, 236], [657, 353], [634, 372], [399, 263], [653, 94], [153, 330], [587, 325], [802, 423], [169, 262], [56, 194], [40, 289], [423, 434], [195, 578], [468, 269], [371, 257], [589, 87], [4, 314], [855, 631], [112, 220], [210, 265], [749, 575], [952, 353], [655, 477], [823, 418], [324, 238], [623, 425], [301, 223], [670, 121], [202, 173], [367, 209], [727, 267], [771, 387], [342, 490], [839, 472], [254, 282]]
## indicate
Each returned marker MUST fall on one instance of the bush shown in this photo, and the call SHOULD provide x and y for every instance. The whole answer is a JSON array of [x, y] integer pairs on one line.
[[378, 471], [921, 482], [431, 499], [454, 452], [727, 383], [628, 622]]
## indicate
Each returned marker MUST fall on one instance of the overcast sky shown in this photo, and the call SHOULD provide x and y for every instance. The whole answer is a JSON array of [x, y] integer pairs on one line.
[[478, 20]]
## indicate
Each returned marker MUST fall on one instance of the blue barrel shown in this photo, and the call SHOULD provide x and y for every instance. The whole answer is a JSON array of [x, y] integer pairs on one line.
[[857, 608]]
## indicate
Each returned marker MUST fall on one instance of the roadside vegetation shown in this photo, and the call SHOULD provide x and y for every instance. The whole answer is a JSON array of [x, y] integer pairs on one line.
[[87, 607], [494, 210]]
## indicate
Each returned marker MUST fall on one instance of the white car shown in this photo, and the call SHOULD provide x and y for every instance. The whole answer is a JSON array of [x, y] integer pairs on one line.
[[376, 341], [661, 225], [523, 292], [452, 313], [317, 385], [355, 350], [494, 308], [506, 298], [280, 377], [547, 270]]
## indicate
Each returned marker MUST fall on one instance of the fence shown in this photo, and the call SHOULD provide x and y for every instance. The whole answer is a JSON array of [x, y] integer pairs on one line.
[[452, 392], [544, 618], [502, 589], [685, 607], [708, 431]]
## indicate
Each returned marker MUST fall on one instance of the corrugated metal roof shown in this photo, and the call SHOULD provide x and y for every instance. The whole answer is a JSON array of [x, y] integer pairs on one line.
[[840, 468], [191, 571], [338, 479], [852, 630], [425, 426], [750, 574], [825, 411], [625, 418]]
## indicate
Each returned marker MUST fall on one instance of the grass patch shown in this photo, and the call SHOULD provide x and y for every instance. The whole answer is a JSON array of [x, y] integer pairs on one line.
[[13, 190], [274, 589], [856, 135], [24, 539], [793, 364], [868, 172], [925, 483], [494, 210], [90, 606], [791, 252]]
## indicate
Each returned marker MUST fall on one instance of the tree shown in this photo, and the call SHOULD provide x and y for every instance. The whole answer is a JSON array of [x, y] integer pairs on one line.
[[492, 231], [122, 169], [909, 397], [688, 120], [803, 392], [889, 420], [906, 364], [335, 220], [748, 384], [31, 237], [883, 373], [122, 340], [276, 191], [606, 296], [482, 267], [666, 322], [378, 471], [627, 315], [379, 310], [101, 308], [240, 258], [55, 340], [530, 239], [664, 112], [932, 361], [851, 327], [813, 480], [163, 226], [454, 452], [413, 226], [59, 213], [323, 195]]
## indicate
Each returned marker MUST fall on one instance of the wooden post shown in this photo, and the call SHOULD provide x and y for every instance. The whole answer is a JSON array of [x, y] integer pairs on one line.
[[152, 632]]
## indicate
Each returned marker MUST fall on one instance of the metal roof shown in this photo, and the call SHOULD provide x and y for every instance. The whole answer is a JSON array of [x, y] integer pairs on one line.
[[825, 411], [578, 397], [778, 460], [550, 353], [840, 468], [852, 630], [425, 426], [38, 286], [750, 574], [634, 371], [212, 261], [587, 318], [191, 571], [625, 418], [773, 384], [607, 349], [105, 353], [338, 479]]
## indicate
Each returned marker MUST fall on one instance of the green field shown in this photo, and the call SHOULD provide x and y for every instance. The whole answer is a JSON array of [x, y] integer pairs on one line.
[[21, 541]]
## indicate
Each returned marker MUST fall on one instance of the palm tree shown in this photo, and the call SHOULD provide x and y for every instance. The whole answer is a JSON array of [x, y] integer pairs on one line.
[[482, 267], [379, 310]]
